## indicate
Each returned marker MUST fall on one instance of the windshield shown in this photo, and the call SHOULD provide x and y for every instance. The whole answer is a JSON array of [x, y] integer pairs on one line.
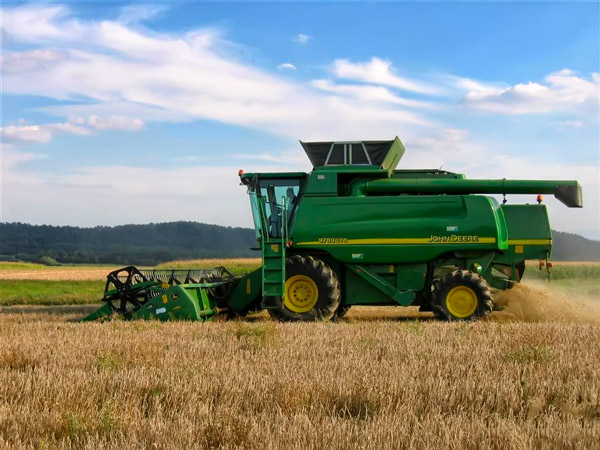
[[255, 214], [273, 203], [279, 196]]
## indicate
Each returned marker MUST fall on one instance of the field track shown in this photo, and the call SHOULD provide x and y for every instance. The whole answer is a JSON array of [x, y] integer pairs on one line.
[[10, 271], [57, 274]]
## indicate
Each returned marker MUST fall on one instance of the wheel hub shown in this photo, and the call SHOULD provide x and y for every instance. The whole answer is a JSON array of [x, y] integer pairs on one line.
[[461, 301], [301, 294]]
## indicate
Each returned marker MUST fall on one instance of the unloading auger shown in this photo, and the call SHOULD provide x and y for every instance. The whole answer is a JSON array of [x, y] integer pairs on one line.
[[356, 231]]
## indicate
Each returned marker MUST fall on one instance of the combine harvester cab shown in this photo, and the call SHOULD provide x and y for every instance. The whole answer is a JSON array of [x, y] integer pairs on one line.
[[356, 231]]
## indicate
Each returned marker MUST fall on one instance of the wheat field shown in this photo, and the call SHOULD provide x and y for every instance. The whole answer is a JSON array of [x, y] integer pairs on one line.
[[396, 383], [527, 377]]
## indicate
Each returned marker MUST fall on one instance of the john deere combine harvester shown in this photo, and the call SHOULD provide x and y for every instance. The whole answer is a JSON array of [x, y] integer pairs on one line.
[[356, 231]]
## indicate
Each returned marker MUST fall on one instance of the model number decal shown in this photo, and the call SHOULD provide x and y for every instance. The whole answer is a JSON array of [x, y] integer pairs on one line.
[[333, 240], [454, 238], [436, 240]]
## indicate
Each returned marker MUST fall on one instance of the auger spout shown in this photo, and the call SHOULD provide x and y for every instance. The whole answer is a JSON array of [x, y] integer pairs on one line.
[[566, 191]]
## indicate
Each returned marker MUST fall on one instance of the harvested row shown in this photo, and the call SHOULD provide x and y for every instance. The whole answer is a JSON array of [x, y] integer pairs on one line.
[[58, 274], [25, 271]]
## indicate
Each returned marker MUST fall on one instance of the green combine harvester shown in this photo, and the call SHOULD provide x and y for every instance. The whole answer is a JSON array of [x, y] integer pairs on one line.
[[356, 231]]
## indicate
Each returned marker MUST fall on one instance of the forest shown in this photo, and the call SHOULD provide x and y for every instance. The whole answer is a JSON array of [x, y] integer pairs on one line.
[[147, 244]]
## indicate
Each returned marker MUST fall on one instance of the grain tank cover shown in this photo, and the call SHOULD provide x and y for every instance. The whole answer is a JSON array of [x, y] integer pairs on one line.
[[378, 154]]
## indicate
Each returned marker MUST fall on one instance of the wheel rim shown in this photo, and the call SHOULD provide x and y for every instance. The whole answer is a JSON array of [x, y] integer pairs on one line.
[[301, 294], [461, 301]]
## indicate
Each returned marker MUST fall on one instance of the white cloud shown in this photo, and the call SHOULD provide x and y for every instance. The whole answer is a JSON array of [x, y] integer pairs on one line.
[[140, 13], [40, 133], [369, 93], [114, 122], [30, 60], [562, 91], [379, 71], [569, 125], [107, 109], [34, 23], [295, 159], [11, 157], [286, 66], [302, 38], [189, 77], [25, 133], [67, 128]]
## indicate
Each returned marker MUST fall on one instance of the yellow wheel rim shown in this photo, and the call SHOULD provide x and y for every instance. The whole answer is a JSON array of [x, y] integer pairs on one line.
[[461, 301], [301, 294]]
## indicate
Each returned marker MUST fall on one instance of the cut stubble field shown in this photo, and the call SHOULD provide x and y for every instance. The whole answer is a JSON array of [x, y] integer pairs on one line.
[[526, 377]]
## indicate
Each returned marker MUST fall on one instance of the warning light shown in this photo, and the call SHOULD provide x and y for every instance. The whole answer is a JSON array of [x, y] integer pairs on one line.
[[540, 198], [240, 173], [289, 243]]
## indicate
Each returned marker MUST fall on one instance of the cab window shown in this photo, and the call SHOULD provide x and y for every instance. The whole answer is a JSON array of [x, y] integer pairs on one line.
[[279, 195]]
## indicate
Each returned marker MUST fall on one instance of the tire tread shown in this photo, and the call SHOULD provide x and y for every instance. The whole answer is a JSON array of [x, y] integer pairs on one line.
[[475, 281], [327, 276]]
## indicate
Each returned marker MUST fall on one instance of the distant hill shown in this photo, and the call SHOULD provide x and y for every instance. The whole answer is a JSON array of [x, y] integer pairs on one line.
[[124, 244], [573, 247], [159, 242]]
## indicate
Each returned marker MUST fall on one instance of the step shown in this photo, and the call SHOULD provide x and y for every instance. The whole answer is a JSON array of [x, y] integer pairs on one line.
[[272, 290], [273, 278]]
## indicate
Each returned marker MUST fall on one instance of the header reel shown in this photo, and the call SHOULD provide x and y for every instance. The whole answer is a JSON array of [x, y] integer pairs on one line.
[[164, 294]]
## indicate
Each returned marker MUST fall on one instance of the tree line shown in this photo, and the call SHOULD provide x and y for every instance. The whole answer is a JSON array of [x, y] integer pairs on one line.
[[147, 244]]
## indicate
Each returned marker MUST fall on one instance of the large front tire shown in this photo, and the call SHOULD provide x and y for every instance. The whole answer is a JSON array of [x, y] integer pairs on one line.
[[462, 295], [312, 291]]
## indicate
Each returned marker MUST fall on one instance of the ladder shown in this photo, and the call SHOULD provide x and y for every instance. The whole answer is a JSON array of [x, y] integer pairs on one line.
[[273, 256]]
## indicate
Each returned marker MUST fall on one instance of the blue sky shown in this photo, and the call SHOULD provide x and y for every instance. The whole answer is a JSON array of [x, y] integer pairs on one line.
[[115, 113]]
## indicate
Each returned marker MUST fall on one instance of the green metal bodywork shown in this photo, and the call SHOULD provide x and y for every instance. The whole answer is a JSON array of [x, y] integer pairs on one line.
[[168, 300], [386, 233]]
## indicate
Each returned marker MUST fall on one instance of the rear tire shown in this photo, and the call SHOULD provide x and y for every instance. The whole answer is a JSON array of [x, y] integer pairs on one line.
[[312, 291], [462, 295]]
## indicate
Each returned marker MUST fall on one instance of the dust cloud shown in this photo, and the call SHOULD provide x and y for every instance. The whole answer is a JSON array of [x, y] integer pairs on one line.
[[545, 303]]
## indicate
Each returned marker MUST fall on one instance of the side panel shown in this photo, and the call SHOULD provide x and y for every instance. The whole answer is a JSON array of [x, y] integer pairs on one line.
[[403, 277], [246, 292], [359, 292], [529, 234], [398, 229], [181, 302]]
